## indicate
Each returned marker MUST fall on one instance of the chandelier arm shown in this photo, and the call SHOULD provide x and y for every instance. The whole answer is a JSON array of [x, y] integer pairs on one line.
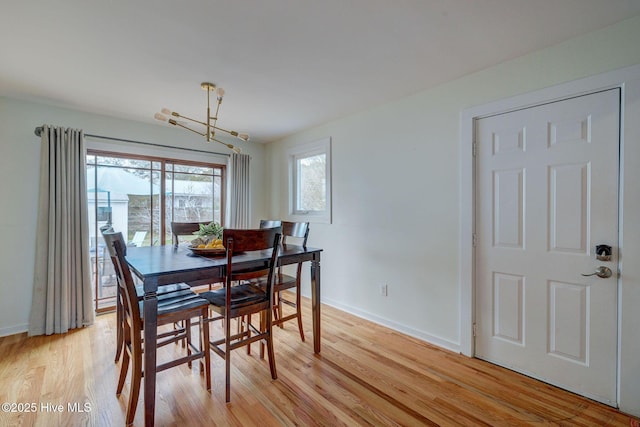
[[229, 146], [173, 122], [188, 118], [231, 132]]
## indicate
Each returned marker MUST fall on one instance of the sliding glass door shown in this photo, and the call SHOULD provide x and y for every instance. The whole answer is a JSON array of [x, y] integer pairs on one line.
[[140, 196], [193, 193]]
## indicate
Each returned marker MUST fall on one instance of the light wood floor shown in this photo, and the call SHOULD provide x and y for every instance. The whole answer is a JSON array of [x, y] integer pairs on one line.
[[365, 375]]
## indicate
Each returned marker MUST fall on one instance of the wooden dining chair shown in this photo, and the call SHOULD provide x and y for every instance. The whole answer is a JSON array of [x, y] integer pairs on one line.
[[294, 233], [183, 229], [239, 298], [181, 306], [164, 291]]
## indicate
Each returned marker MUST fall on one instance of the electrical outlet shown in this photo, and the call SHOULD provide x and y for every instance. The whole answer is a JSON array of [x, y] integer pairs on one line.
[[383, 289]]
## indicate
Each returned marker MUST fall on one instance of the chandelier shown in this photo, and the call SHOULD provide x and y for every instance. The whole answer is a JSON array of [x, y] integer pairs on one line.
[[210, 127]]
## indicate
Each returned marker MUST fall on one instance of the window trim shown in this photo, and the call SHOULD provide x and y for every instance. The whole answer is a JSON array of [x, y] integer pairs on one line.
[[310, 149]]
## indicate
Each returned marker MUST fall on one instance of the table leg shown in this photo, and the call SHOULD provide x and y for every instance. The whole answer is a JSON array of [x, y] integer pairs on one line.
[[315, 303], [150, 333]]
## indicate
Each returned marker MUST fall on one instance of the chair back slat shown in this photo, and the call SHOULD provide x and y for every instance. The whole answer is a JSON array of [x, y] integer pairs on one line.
[[250, 240], [270, 223]]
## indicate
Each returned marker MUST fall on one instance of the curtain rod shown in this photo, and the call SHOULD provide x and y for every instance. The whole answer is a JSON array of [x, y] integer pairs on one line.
[[38, 132]]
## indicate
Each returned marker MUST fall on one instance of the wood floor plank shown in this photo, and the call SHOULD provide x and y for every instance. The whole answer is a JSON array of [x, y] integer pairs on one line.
[[365, 375]]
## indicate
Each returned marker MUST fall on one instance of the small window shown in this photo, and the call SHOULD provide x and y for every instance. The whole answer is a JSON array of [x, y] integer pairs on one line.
[[310, 181]]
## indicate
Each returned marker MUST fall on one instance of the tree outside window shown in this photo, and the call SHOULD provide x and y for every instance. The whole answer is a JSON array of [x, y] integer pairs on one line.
[[310, 182]]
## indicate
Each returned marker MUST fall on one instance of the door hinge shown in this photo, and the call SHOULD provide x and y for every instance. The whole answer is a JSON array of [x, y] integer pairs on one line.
[[474, 239], [475, 329], [474, 148]]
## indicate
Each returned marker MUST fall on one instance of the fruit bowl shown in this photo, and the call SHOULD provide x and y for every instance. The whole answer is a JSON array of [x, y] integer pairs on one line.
[[207, 251]]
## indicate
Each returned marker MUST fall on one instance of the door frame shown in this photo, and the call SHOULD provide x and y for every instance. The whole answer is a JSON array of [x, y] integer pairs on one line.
[[608, 80]]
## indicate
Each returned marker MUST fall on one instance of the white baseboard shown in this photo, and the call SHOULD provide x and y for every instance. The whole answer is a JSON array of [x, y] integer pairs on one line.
[[12, 330], [431, 339]]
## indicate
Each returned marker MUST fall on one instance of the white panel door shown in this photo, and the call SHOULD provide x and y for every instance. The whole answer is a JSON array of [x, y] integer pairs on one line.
[[547, 194]]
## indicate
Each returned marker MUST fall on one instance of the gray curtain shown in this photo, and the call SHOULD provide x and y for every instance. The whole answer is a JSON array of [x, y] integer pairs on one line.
[[62, 297], [239, 200]]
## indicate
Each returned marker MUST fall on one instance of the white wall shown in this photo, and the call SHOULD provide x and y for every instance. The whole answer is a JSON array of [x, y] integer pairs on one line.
[[19, 175], [396, 196]]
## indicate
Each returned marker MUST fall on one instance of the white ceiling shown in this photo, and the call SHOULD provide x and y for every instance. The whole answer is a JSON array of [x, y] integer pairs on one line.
[[286, 65]]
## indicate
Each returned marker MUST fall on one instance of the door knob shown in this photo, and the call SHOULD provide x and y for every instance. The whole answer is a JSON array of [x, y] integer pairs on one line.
[[602, 271]]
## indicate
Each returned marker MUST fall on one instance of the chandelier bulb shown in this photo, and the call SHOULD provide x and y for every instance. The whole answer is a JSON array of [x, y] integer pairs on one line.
[[220, 92], [233, 148], [160, 117], [243, 136], [165, 111]]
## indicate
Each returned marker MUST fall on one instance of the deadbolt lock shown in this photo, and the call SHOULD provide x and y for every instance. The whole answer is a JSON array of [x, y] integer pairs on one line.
[[603, 252]]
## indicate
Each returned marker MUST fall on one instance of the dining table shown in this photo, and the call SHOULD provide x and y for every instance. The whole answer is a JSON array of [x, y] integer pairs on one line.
[[166, 264]]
